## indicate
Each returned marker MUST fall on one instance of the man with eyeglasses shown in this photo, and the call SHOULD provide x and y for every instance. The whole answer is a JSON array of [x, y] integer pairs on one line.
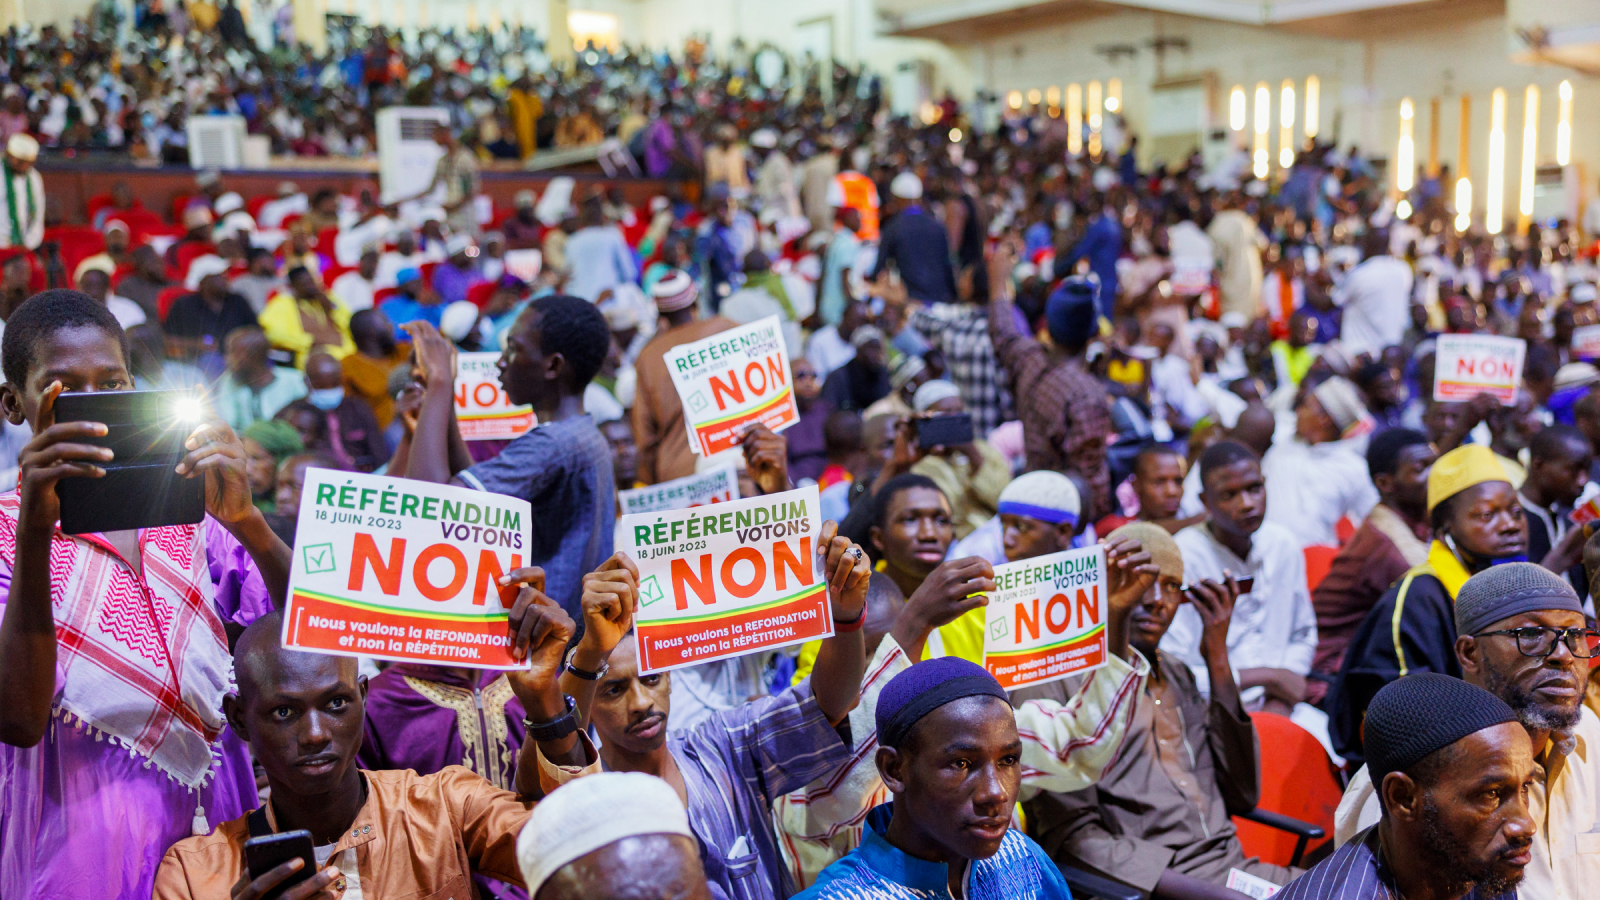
[[1523, 637]]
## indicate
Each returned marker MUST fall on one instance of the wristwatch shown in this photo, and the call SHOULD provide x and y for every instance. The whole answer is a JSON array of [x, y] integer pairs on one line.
[[583, 673], [557, 728]]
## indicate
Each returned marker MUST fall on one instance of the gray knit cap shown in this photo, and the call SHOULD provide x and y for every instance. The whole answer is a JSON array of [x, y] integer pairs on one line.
[[1418, 714], [1510, 589]]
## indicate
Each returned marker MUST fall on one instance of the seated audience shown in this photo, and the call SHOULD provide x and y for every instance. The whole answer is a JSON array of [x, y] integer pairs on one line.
[[1157, 481], [199, 321], [357, 288], [267, 444], [259, 282], [377, 354], [413, 302]]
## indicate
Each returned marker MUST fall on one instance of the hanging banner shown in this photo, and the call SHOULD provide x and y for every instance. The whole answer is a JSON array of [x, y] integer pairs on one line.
[[483, 410], [1466, 365], [403, 570], [731, 379], [718, 485], [716, 582], [1046, 618]]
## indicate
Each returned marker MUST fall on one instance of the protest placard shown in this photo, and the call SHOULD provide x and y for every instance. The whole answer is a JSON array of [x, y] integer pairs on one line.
[[718, 485], [1586, 342], [731, 379], [403, 570], [1046, 618], [483, 410], [1466, 365], [723, 581]]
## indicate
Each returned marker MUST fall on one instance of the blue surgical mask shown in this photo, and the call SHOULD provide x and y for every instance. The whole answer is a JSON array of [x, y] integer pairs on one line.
[[326, 399]]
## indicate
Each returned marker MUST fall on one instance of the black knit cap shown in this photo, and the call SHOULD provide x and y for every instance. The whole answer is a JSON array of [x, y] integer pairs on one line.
[[1418, 714]]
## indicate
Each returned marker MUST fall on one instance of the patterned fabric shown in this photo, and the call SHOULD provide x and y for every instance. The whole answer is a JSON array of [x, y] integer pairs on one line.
[[735, 766], [1357, 871], [1065, 412], [961, 333], [877, 870], [484, 749], [143, 660]]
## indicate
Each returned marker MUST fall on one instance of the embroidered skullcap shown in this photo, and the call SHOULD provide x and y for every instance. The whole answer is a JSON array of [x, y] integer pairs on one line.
[[581, 817], [1158, 543], [932, 392], [1461, 468], [865, 334], [925, 687], [906, 369], [1416, 715], [1044, 495], [675, 291], [1342, 402], [1511, 589]]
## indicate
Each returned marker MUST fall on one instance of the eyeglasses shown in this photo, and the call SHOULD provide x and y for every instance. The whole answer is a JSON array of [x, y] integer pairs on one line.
[[1540, 641]]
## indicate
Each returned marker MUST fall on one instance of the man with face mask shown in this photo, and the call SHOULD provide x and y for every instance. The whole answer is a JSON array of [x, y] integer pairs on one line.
[[350, 420], [1454, 771], [1477, 521], [1523, 638]]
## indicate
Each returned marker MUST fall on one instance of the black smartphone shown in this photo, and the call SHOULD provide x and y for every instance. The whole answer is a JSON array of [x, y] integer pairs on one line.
[[944, 431], [265, 853], [146, 431], [1245, 585]]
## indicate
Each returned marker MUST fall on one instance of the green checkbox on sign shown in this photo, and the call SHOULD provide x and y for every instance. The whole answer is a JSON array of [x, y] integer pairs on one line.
[[698, 401], [998, 629], [650, 591], [319, 558]]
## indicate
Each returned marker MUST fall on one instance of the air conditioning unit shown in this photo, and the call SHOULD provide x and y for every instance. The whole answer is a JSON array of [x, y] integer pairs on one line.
[[910, 87], [216, 142], [407, 154]]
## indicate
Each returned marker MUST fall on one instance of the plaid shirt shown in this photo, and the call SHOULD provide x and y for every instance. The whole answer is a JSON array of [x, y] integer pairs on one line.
[[1065, 412], [961, 333]]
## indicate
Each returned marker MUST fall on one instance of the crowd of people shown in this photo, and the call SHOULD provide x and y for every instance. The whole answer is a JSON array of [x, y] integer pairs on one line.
[[110, 90], [1226, 381]]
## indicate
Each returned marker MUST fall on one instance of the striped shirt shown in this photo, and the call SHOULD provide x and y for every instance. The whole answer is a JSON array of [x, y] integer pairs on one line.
[[1357, 871], [877, 870], [735, 765]]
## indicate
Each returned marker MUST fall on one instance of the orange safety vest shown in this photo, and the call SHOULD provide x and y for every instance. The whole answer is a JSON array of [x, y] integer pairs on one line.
[[856, 191]]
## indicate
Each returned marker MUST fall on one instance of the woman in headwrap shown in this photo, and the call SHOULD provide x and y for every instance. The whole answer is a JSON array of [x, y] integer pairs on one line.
[[267, 444]]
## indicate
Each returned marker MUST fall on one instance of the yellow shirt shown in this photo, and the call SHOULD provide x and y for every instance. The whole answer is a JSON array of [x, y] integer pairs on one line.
[[281, 321]]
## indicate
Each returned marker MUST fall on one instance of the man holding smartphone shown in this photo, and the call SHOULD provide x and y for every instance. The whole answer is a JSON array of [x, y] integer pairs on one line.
[[120, 635]]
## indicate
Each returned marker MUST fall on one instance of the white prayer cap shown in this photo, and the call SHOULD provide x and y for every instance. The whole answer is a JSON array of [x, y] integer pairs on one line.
[[23, 146], [1044, 495], [227, 203], [1582, 292], [764, 139], [209, 264], [906, 186], [457, 243], [592, 812], [457, 319], [932, 392]]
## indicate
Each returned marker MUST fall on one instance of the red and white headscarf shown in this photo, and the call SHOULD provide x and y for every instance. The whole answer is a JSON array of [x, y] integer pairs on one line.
[[142, 660]]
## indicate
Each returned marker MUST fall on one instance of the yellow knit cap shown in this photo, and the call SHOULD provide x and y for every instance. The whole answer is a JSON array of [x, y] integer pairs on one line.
[[1460, 469], [1158, 543]]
